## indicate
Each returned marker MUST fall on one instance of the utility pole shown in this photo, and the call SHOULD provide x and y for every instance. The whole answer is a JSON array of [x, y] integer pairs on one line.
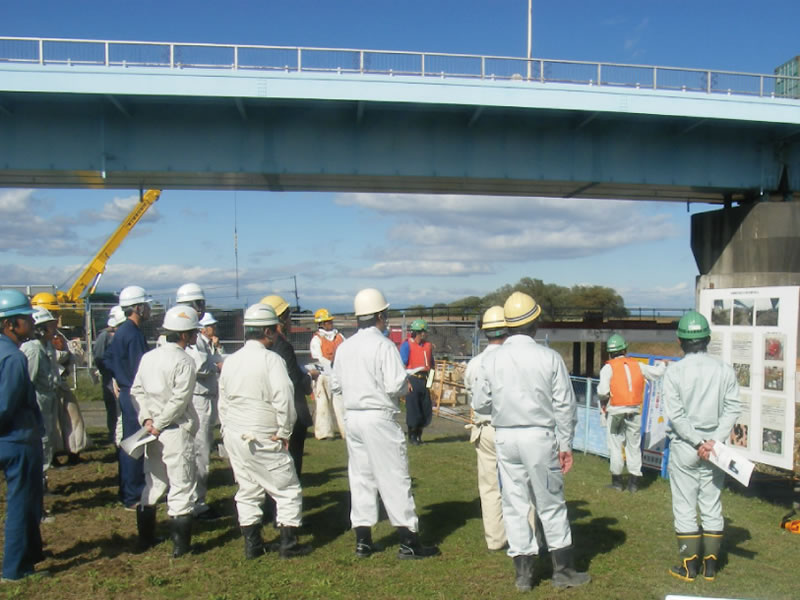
[[296, 298], [530, 11]]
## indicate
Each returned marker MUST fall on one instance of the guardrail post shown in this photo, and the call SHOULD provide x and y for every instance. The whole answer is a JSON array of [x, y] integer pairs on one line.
[[586, 422], [105, 44], [708, 82], [41, 52], [655, 78], [541, 71], [483, 67], [361, 61], [172, 56], [599, 74], [235, 58], [761, 86], [299, 60], [422, 64]]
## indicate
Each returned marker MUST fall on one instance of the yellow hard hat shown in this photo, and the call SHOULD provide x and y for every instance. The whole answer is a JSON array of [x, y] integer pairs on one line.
[[322, 315], [493, 318], [278, 304], [45, 300], [520, 309]]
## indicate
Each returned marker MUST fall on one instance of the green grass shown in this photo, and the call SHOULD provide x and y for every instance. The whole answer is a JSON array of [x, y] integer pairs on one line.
[[626, 541]]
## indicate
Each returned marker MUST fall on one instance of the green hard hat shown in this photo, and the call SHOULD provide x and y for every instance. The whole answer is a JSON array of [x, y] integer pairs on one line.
[[14, 302], [419, 325], [616, 343], [693, 326]]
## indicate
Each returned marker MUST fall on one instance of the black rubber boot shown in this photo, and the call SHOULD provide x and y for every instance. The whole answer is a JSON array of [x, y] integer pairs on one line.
[[712, 543], [419, 436], [523, 565], [364, 545], [146, 526], [616, 483], [290, 547], [411, 548], [564, 573], [253, 542], [633, 483], [180, 531], [689, 552]]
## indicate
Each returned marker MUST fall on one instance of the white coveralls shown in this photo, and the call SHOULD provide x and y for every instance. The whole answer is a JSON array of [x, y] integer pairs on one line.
[[624, 423], [204, 400], [373, 379], [44, 376], [701, 400], [534, 413], [162, 391], [256, 404], [324, 395]]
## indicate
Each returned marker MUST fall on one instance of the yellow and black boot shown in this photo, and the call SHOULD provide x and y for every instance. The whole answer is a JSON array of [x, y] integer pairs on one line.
[[712, 542], [689, 551]]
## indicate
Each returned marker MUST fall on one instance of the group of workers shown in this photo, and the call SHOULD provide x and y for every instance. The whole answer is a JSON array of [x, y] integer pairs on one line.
[[523, 427]]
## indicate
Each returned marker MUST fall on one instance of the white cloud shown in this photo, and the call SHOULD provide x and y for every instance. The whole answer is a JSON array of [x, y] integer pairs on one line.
[[422, 268], [27, 228], [471, 233], [118, 209]]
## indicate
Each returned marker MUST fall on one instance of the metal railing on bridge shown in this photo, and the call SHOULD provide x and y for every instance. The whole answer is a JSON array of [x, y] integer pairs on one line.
[[170, 55]]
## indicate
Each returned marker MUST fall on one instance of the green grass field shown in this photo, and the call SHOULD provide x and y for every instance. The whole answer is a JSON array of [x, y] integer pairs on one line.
[[625, 540]]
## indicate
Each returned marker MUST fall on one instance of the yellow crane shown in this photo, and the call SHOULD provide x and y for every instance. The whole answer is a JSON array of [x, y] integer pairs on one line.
[[90, 275]]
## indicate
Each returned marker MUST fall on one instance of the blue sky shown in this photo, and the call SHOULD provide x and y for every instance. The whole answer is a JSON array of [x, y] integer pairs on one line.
[[338, 243]]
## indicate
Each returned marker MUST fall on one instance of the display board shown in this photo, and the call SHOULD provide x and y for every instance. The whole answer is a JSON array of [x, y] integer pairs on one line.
[[755, 331], [654, 421]]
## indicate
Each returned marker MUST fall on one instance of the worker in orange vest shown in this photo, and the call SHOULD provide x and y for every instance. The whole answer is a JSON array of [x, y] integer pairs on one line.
[[323, 347], [621, 391], [417, 355]]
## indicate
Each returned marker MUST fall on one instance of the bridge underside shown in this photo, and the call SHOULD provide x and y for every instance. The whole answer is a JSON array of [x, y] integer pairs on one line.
[[93, 140]]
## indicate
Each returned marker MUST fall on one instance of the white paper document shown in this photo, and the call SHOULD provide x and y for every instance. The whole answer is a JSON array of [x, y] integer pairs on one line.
[[732, 462], [134, 444]]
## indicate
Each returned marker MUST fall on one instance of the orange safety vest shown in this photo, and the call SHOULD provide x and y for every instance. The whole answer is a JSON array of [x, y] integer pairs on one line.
[[420, 356], [329, 346], [621, 393]]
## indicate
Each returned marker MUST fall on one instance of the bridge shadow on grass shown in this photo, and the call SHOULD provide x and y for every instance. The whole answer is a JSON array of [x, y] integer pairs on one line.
[[329, 523], [319, 478], [445, 439]]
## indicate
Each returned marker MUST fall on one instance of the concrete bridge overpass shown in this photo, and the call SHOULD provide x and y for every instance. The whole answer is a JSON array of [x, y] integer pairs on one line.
[[84, 113]]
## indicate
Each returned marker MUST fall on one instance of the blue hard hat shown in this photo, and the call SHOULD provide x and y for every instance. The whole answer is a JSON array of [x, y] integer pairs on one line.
[[13, 302]]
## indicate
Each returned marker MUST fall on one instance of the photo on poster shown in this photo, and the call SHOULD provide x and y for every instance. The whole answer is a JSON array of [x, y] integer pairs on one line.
[[773, 379], [740, 435], [773, 419], [743, 311], [742, 374], [721, 312], [771, 441], [767, 312], [773, 346]]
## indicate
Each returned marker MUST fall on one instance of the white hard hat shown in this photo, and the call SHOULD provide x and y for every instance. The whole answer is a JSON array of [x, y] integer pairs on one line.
[[181, 318], [189, 292], [133, 295], [42, 315], [369, 302], [116, 316], [260, 315], [208, 319]]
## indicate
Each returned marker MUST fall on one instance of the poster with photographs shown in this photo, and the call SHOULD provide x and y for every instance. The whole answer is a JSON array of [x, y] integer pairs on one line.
[[740, 436], [755, 330]]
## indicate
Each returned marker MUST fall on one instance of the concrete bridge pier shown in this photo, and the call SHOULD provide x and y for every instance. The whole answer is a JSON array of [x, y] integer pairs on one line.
[[752, 245]]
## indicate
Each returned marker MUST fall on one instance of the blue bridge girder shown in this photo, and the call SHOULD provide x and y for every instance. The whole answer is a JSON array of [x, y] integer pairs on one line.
[[193, 128]]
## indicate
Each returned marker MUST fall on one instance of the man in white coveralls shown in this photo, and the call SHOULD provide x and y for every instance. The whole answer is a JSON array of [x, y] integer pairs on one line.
[[256, 409], [373, 378], [701, 401], [534, 415], [161, 394]]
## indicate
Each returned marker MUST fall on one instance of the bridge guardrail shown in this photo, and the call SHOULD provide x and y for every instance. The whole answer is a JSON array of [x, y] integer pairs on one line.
[[172, 55]]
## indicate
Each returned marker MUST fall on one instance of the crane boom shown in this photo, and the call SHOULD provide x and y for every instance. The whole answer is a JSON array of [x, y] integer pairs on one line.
[[97, 265]]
